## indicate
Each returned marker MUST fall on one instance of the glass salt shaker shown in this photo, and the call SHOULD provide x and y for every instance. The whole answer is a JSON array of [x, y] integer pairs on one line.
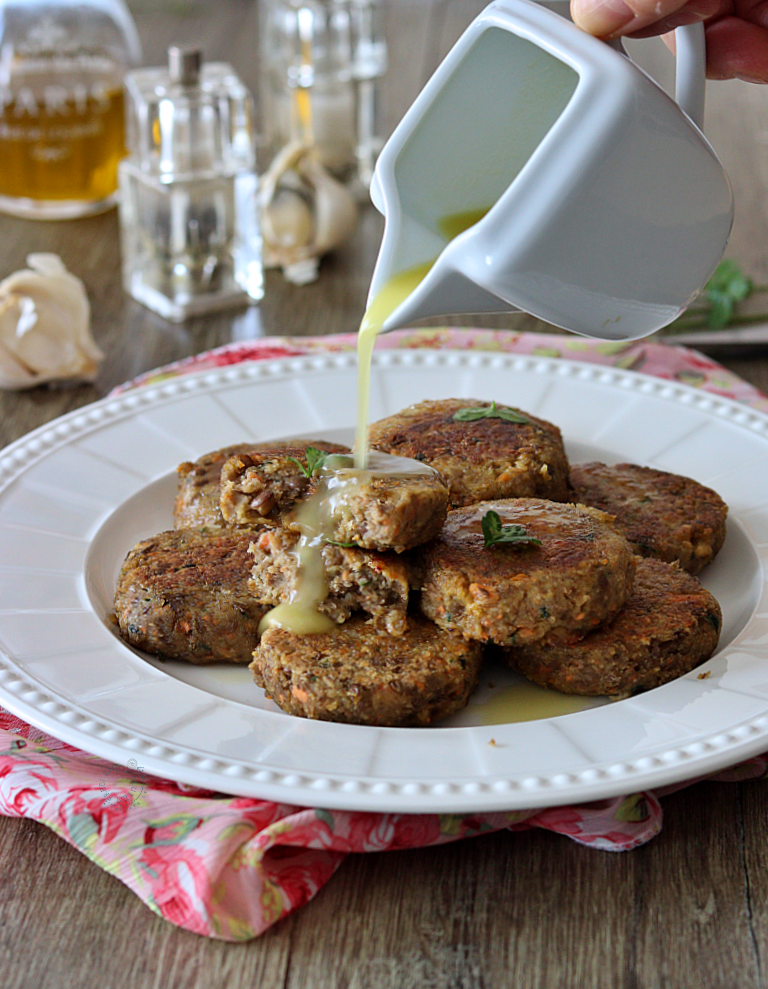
[[322, 60], [188, 212], [62, 65]]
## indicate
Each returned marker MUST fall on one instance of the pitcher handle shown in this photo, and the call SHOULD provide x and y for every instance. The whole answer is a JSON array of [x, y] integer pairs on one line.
[[691, 62], [690, 72], [690, 67]]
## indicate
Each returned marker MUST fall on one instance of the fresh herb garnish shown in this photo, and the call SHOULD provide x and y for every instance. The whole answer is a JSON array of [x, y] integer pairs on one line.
[[334, 542], [724, 290], [717, 306], [494, 532], [488, 412], [315, 460]]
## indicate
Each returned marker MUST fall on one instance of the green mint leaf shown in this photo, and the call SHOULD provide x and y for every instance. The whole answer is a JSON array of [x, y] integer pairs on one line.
[[315, 460], [488, 412], [730, 279], [717, 306], [725, 289], [720, 311], [494, 532]]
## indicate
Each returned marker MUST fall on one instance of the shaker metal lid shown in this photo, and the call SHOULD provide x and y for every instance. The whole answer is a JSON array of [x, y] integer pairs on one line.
[[184, 64]]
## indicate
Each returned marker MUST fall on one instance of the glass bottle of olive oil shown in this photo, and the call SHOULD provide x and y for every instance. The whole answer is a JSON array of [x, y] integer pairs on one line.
[[61, 104]]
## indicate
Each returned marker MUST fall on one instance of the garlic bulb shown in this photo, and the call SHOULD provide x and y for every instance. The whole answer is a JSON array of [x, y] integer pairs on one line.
[[305, 213], [45, 326]]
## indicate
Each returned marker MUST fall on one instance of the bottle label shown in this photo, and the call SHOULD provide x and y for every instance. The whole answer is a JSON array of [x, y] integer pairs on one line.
[[61, 133]]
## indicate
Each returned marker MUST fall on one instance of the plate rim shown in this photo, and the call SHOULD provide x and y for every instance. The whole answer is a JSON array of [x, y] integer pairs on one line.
[[68, 721]]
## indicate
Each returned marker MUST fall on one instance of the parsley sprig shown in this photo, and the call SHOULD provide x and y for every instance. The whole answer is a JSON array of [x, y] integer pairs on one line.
[[717, 306], [491, 411], [315, 460], [494, 532]]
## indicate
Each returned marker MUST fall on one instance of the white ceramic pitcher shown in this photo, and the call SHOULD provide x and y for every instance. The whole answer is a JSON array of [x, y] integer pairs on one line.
[[607, 209]]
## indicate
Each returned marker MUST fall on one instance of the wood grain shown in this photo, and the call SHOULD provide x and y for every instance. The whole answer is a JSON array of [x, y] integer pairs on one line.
[[531, 909]]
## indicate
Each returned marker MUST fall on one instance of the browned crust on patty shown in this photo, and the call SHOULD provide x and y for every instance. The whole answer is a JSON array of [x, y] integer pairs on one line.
[[361, 676], [664, 516], [580, 575], [376, 583], [483, 459], [669, 626], [198, 500], [184, 595]]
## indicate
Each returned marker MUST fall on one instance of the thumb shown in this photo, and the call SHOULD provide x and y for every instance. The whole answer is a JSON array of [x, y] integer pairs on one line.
[[612, 18]]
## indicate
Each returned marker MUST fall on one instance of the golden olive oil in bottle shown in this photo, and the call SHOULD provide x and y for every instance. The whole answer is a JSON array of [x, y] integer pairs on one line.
[[61, 105]]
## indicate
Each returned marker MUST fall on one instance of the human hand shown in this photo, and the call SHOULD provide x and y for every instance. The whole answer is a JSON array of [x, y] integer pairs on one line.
[[736, 30]]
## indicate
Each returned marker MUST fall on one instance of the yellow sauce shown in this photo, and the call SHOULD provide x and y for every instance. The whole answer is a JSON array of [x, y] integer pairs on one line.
[[394, 292], [528, 702], [297, 618], [455, 224], [315, 521], [314, 516]]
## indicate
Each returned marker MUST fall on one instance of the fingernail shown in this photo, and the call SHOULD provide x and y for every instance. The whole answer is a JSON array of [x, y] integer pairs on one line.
[[602, 17]]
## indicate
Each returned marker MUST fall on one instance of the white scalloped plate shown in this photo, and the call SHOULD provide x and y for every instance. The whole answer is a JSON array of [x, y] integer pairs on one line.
[[77, 494]]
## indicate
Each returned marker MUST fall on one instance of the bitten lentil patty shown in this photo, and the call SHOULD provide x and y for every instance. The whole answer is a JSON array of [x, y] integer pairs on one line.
[[376, 583], [663, 515], [393, 504], [580, 576], [260, 486], [481, 459], [390, 510], [361, 676], [670, 625], [198, 500], [184, 595]]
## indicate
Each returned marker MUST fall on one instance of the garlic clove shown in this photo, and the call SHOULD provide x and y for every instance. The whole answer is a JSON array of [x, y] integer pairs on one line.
[[305, 212], [335, 206], [45, 326], [291, 220]]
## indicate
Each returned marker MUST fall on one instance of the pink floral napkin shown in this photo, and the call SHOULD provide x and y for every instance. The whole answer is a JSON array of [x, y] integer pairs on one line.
[[229, 867]]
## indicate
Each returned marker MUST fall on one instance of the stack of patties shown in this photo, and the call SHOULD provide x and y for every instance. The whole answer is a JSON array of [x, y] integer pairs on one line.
[[403, 665], [556, 588], [382, 665], [185, 594]]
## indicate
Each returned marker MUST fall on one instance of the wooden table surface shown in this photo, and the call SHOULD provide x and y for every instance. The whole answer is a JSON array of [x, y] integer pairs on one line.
[[533, 909]]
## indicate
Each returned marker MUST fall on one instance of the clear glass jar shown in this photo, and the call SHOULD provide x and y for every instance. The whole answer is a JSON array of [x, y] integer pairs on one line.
[[321, 61], [188, 213], [61, 104]]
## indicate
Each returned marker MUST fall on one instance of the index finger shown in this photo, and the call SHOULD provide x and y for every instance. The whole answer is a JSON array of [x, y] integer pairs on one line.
[[614, 18]]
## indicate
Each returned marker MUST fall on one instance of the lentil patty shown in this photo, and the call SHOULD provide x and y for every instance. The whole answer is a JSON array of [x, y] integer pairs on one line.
[[670, 625], [580, 576], [481, 459], [663, 515], [390, 505], [184, 595], [376, 583], [362, 676], [198, 500], [261, 486], [392, 510]]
